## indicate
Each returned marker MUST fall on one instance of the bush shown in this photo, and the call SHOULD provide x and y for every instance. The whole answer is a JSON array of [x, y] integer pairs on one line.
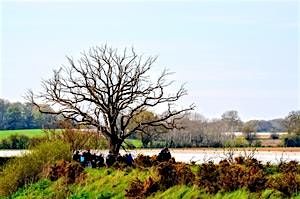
[[171, 173], [139, 189], [15, 142], [144, 161], [256, 143], [27, 169], [184, 174], [237, 142], [70, 171], [291, 166], [255, 179], [208, 176], [274, 136], [292, 141], [167, 174], [287, 183], [229, 176], [76, 137]]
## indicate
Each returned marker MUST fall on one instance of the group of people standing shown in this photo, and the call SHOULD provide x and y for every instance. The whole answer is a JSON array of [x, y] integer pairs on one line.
[[87, 159], [93, 160]]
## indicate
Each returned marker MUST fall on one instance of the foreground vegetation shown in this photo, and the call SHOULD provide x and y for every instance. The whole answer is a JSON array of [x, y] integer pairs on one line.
[[112, 183], [48, 172]]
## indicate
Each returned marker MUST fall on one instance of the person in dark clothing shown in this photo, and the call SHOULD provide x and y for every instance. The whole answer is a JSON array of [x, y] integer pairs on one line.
[[99, 161], [93, 160], [76, 156], [82, 159], [88, 157], [128, 159], [164, 155], [110, 159]]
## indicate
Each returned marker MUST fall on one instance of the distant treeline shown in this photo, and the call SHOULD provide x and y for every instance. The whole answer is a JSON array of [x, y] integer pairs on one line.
[[23, 116]]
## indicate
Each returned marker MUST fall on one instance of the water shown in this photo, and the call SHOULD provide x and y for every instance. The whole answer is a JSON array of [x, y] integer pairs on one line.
[[12, 153], [216, 155], [199, 155]]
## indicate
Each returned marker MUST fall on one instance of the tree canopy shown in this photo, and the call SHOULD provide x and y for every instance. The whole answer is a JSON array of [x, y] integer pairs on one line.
[[106, 89]]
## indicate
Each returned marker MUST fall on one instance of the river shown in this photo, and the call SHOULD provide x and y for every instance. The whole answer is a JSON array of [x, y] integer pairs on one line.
[[200, 155]]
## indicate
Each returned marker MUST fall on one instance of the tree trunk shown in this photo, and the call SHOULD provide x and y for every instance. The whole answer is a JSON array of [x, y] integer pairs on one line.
[[114, 146]]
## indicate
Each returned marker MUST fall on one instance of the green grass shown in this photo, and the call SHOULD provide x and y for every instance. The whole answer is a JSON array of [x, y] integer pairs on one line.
[[39, 132], [111, 183], [100, 183], [27, 132], [135, 142]]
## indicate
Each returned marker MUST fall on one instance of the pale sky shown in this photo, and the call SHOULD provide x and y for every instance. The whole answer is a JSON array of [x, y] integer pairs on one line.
[[233, 55]]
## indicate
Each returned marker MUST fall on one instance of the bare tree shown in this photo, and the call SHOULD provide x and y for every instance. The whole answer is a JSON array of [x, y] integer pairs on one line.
[[107, 89], [232, 119], [292, 122], [249, 131]]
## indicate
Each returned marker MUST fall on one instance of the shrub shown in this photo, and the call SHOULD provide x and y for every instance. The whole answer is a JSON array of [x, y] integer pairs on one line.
[[139, 189], [237, 142], [292, 141], [184, 174], [70, 171], [135, 189], [27, 169], [145, 161], [274, 136], [291, 166], [167, 174], [255, 179], [256, 143], [15, 142], [208, 176], [76, 137], [287, 183], [231, 176]]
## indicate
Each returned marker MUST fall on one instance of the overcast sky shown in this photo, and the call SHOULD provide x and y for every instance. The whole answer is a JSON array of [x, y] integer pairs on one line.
[[238, 55]]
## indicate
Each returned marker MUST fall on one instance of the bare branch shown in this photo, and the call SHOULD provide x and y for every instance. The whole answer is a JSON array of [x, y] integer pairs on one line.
[[106, 89]]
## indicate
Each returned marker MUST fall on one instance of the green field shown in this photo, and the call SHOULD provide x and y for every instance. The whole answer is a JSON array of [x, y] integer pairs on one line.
[[39, 132], [27, 132]]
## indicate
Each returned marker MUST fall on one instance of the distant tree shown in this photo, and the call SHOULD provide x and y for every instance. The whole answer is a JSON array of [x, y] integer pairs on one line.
[[232, 119], [107, 89], [249, 131], [28, 117], [3, 109], [14, 119], [292, 122], [277, 125], [23, 116], [149, 133]]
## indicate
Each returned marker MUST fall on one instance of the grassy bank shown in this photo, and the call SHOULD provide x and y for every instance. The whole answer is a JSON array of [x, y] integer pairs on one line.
[[112, 183], [47, 172]]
